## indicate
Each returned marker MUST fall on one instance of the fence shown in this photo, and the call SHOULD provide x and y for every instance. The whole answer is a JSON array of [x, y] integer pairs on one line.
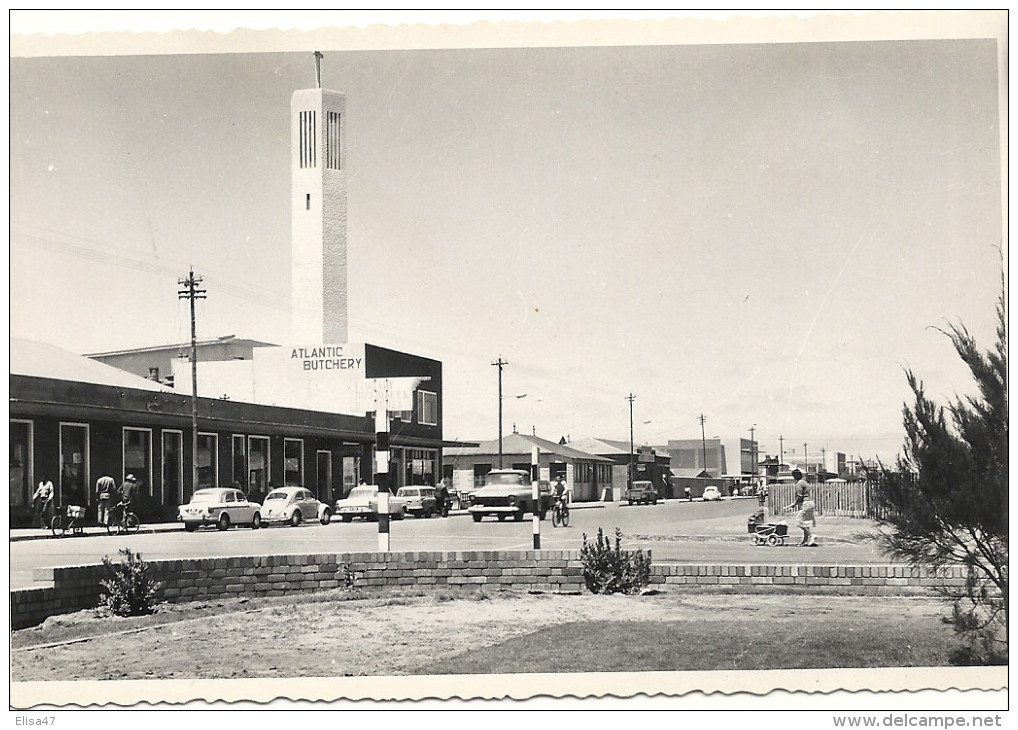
[[853, 499]]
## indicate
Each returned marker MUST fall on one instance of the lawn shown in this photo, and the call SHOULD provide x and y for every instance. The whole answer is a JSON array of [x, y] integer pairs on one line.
[[644, 646]]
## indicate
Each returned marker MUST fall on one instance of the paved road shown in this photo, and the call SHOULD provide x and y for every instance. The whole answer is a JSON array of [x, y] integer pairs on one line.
[[675, 532]]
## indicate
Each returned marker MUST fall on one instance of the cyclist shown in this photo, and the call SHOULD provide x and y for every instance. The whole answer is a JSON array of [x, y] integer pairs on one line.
[[127, 491], [42, 500], [560, 493]]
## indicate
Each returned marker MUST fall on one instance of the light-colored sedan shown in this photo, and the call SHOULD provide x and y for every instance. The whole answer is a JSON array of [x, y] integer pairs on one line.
[[363, 502], [294, 505], [711, 494], [420, 501], [221, 507]]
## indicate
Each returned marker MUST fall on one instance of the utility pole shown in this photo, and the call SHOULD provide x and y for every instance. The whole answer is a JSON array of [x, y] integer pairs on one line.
[[632, 445], [781, 452], [500, 363], [703, 440], [192, 292], [805, 459]]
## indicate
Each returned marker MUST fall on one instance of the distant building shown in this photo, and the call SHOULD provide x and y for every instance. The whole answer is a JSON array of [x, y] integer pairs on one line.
[[156, 362], [586, 475], [650, 463]]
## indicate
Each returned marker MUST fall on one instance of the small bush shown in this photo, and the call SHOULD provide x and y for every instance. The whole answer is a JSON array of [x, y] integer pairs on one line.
[[610, 569], [128, 590]]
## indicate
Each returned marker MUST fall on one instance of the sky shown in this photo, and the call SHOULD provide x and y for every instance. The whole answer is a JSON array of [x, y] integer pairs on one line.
[[765, 234]]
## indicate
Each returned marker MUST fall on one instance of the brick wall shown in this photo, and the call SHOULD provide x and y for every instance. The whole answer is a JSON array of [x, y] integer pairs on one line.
[[76, 588]]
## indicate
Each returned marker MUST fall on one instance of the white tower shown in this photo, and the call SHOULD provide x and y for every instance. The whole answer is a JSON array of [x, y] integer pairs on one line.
[[318, 216]]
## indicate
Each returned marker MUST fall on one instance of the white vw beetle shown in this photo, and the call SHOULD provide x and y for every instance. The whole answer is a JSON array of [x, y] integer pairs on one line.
[[293, 505]]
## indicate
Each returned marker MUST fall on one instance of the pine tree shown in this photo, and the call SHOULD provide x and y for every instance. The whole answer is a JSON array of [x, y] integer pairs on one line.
[[946, 503]]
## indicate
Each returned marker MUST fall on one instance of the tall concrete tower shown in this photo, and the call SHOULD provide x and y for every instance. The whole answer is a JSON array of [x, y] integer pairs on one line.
[[318, 215]]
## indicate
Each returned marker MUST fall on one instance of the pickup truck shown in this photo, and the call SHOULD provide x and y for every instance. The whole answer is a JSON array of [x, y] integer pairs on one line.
[[641, 492], [508, 493]]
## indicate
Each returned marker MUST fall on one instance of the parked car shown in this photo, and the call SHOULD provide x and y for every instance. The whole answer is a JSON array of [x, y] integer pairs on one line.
[[294, 505], [363, 502], [642, 492], [419, 501], [711, 494], [221, 507], [508, 493]]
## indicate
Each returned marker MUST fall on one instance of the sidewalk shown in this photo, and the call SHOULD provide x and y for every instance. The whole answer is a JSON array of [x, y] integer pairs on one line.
[[38, 533]]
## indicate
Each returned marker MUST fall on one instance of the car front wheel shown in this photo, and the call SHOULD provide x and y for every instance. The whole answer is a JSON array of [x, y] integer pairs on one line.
[[224, 522], [256, 521], [326, 517], [295, 518]]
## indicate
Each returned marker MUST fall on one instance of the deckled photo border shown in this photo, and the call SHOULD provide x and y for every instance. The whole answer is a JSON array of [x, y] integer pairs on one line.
[[327, 30]]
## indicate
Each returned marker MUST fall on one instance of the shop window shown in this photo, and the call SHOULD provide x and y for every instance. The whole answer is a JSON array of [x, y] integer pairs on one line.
[[138, 458], [239, 461], [208, 460], [173, 467], [323, 469], [258, 465], [20, 460], [293, 462], [73, 462], [420, 467], [351, 473]]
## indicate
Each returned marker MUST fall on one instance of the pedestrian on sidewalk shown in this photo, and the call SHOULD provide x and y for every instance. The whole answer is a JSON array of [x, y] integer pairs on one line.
[[806, 519], [106, 496]]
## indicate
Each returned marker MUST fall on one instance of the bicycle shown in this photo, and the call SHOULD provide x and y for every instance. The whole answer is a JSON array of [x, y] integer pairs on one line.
[[70, 519], [122, 520], [560, 514]]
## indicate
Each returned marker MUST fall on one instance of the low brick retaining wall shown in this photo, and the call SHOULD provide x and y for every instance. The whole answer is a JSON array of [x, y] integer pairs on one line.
[[76, 588]]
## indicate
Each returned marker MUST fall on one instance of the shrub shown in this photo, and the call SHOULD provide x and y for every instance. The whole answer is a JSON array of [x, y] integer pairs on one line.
[[127, 588], [947, 501], [610, 569]]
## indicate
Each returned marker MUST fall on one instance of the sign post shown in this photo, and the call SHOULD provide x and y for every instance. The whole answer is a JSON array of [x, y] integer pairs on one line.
[[382, 473], [535, 483], [383, 395]]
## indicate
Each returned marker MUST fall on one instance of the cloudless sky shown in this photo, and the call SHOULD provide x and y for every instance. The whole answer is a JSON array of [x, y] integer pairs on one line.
[[761, 233]]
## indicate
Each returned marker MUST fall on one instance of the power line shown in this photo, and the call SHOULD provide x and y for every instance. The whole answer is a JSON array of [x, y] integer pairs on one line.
[[150, 265]]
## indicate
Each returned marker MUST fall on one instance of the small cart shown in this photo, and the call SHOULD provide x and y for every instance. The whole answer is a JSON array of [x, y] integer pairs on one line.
[[770, 533]]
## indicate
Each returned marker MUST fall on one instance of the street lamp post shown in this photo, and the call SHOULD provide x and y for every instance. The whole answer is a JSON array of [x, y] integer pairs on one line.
[[754, 467], [629, 480], [703, 440]]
